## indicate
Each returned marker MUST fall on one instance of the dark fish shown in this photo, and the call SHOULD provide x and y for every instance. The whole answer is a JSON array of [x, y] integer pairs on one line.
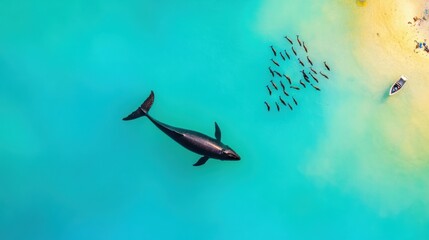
[[323, 75], [327, 67], [293, 50], [305, 48], [281, 84], [289, 40], [269, 90], [296, 103], [287, 55], [268, 106], [300, 62], [309, 61], [315, 79], [296, 88], [290, 107], [297, 38], [304, 74], [314, 71], [278, 74], [302, 84], [271, 71], [274, 51], [283, 57], [274, 85], [307, 80], [287, 94], [278, 107], [318, 89], [281, 100], [276, 63], [288, 78]]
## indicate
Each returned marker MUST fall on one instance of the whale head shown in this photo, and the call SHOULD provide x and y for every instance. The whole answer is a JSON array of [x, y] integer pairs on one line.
[[229, 154]]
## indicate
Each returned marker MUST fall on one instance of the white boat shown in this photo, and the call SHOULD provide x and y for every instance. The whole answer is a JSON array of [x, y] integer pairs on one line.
[[398, 85]]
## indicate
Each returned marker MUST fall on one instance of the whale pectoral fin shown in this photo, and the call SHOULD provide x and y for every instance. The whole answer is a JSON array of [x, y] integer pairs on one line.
[[217, 132], [201, 161]]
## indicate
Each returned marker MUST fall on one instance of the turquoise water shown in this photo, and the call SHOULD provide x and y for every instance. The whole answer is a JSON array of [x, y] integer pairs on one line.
[[71, 169]]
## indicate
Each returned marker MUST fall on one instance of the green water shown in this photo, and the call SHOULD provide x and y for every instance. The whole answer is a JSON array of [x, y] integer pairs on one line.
[[71, 169]]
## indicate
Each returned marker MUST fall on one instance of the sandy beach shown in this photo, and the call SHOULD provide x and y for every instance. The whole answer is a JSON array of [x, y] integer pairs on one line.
[[386, 141], [388, 51], [388, 40]]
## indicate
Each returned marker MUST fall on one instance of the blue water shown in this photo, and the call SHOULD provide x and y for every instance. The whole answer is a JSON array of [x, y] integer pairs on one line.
[[71, 169]]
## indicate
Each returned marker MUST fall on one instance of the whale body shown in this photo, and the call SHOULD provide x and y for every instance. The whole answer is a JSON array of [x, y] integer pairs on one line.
[[194, 141]]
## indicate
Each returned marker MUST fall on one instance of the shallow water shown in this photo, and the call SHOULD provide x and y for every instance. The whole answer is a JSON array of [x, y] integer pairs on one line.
[[71, 169]]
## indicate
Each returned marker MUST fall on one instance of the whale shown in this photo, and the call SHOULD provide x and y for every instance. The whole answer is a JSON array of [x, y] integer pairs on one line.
[[194, 141]]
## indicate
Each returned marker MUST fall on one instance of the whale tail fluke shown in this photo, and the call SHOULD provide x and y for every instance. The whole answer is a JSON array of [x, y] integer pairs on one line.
[[143, 109]]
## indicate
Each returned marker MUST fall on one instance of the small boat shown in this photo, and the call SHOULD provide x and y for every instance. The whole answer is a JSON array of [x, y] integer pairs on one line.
[[398, 85]]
